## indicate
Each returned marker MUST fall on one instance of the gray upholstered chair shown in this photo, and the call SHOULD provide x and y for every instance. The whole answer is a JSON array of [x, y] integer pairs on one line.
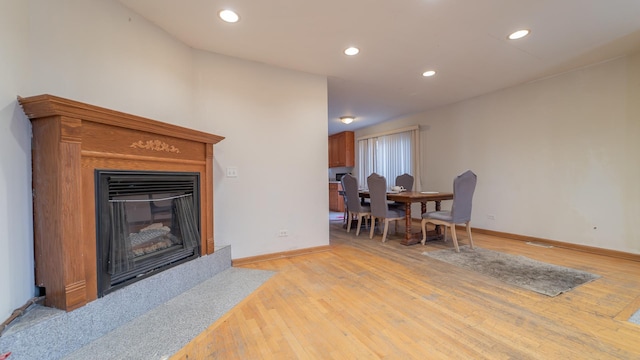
[[463, 187], [406, 181], [354, 208], [379, 207], [345, 215]]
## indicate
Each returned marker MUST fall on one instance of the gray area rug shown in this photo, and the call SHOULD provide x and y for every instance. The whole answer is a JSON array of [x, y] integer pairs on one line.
[[635, 318], [543, 278]]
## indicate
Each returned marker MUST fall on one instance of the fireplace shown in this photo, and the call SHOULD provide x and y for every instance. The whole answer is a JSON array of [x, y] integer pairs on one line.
[[146, 222], [86, 158]]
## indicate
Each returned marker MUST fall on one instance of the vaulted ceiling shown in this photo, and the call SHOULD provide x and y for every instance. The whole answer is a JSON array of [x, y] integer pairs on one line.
[[464, 41]]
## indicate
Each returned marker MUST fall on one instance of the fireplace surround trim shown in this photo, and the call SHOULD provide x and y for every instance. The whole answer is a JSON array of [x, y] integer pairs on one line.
[[70, 140]]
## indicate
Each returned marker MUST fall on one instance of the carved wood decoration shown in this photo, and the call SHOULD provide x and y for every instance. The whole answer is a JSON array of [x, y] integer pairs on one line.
[[70, 141], [155, 145]]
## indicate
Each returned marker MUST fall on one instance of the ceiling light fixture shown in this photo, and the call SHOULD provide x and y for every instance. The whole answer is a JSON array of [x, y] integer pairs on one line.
[[428, 73], [518, 34], [351, 51], [229, 16], [347, 119]]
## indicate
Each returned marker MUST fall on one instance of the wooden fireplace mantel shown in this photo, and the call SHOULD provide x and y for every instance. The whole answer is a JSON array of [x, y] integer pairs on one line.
[[70, 141]]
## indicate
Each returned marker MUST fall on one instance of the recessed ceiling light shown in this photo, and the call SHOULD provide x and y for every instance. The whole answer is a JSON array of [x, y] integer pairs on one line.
[[428, 73], [518, 34], [351, 51], [228, 16], [347, 119]]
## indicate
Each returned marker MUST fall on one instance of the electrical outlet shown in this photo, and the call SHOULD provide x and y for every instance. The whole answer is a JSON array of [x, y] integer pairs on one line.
[[232, 171], [283, 233], [491, 217]]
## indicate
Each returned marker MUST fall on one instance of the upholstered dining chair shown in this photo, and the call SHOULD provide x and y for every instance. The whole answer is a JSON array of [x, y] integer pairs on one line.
[[345, 214], [463, 187], [354, 208], [379, 207], [406, 181]]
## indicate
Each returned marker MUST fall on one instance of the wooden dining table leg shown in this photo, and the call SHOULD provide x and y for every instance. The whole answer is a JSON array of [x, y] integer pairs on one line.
[[409, 239], [407, 221]]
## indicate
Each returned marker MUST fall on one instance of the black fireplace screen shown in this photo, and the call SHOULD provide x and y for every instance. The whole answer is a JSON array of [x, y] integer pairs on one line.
[[147, 222]]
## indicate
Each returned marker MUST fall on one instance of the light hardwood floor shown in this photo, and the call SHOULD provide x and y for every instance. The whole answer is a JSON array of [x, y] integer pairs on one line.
[[368, 300]]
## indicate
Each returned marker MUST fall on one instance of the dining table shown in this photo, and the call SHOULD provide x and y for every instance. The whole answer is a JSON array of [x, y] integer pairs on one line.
[[409, 197]]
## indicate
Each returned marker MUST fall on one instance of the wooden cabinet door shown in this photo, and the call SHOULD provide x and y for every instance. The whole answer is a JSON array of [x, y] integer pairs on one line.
[[348, 156], [334, 149], [341, 149], [333, 200], [336, 201]]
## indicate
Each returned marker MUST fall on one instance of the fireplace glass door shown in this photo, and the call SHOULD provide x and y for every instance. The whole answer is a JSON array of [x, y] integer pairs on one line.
[[147, 222]]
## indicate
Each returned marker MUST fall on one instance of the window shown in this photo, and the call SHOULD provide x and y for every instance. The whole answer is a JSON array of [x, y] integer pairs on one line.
[[389, 155]]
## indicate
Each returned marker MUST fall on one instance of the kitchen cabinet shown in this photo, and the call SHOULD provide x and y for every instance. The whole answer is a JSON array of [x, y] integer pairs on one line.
[[336, 201], [341, 149]]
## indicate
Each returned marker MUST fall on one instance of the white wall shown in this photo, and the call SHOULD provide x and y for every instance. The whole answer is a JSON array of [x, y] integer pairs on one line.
[[275, 124], [99, 52], [556, 159], [16, 226]]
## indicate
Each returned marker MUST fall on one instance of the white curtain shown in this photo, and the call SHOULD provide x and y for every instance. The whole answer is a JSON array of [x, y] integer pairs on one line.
[[417, 160], [390, 155], [395, 156], [366, 160]]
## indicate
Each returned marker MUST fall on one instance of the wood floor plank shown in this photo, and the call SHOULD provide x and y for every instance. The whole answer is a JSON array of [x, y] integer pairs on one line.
[[369, 300]]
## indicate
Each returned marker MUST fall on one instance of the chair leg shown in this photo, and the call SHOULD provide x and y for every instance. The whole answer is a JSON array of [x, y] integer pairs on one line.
[[453, 236], [373, 223], [469, 233], [423, 223], [386, 228], [359, 224], [349, 222]]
